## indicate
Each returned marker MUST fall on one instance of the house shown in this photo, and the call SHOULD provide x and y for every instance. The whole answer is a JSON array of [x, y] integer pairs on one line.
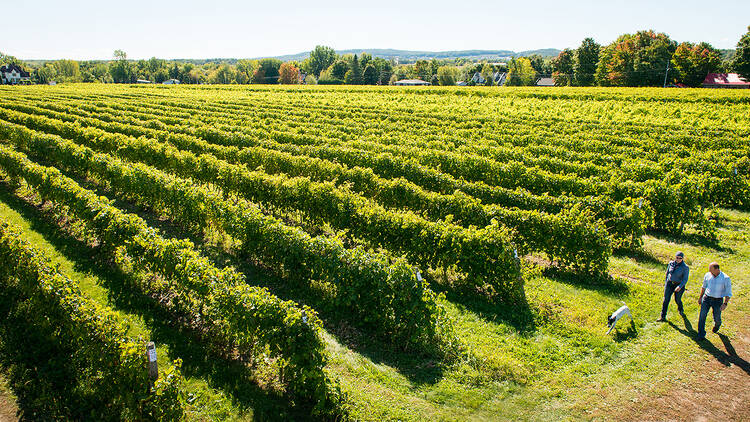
[[461, 83], [171, 82], [142, 81], [545, 82], [725, 80], [478, 79], [411, 82], [13, 74], [499, 78]]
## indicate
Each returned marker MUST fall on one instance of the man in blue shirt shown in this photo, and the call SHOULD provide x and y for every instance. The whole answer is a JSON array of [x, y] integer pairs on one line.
[[715, 294], [675, 281]]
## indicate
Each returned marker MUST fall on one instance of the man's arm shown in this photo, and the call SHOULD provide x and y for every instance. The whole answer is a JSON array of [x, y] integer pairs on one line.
[[685, 277], [700, 298], [727, 293]]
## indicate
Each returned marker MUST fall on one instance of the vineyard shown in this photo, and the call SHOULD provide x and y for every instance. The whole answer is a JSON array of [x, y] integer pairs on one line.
[[349, 252]]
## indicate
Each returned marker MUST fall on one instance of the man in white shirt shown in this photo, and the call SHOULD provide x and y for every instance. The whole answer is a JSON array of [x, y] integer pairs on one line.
[[715, 294]]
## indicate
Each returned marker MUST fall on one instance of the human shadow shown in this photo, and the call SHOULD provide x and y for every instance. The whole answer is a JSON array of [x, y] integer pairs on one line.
[[726, 358]]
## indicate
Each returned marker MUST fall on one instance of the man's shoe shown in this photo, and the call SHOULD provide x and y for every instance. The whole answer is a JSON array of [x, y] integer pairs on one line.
[[715, 329], [661, 319]]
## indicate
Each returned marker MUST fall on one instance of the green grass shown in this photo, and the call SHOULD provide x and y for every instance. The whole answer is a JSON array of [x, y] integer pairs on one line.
[[550, 360]]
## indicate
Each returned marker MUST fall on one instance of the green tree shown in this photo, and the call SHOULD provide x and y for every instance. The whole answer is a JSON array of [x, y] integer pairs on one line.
[[487, 72], [338, 69], [370, 75], [638, 59], [521, 72], [741, 61], [422, 70], [365, 59], [321, 58], [121, 70], [68, 70], [289, 74], [223, 75], [693, 62], [46, 74], [586, 60], [447, 75], [354, 75], [562, 68], [270, 68]]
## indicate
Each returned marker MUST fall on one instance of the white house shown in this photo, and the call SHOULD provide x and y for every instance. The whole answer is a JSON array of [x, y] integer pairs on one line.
[[13, 74], [171, 82], [411, 82], [545, 82]]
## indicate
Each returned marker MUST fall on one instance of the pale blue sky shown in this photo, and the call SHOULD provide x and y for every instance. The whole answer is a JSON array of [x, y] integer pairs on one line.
[[209, 29]]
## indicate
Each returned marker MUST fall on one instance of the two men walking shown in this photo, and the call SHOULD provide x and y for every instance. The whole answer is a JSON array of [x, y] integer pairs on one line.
[[715, 292]]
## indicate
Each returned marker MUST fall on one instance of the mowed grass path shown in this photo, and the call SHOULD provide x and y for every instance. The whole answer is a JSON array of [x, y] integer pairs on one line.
[[550, 361]]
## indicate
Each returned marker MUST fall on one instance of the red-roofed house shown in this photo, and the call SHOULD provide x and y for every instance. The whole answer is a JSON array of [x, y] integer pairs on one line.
[[725, 80]]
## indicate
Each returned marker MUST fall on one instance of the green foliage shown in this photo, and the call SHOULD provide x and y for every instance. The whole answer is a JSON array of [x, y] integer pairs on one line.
[[521, 72], [321, 57], [67, 357], [694, 62], [563, 68], [741, 61], [638, 59], [586, 60]]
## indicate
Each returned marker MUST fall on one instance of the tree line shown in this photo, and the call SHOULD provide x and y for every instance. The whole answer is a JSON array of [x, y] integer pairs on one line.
[[646, 58]]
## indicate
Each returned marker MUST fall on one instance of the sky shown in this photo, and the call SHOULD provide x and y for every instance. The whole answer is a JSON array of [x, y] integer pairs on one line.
[[245, 29]]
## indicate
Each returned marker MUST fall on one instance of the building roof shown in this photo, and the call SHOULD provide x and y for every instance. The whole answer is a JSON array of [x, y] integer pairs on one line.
[[411, 82], [11, 67], [545, 82], [730, 79]]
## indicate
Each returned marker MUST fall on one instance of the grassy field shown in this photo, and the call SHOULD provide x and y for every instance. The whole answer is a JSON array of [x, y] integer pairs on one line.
[[548, 359]]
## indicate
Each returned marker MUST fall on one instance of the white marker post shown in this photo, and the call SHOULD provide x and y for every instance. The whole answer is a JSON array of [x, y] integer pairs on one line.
[[640, 202], [153, 368]]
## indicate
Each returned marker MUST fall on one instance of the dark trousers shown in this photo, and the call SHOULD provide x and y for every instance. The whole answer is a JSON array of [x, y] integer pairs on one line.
[[709, 303], [668, 290]]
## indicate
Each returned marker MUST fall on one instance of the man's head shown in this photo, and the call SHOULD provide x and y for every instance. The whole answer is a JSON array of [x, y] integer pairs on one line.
[[713, 268], [679, 257]]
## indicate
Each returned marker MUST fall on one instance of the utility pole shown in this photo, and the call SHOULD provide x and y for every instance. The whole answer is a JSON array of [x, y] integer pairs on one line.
[[666, 73]]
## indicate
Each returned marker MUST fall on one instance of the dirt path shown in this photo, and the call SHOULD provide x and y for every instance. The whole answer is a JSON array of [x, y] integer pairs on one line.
[[720, 390]]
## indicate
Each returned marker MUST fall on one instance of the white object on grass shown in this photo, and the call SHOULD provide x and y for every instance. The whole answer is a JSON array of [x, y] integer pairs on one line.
[[616, 315]]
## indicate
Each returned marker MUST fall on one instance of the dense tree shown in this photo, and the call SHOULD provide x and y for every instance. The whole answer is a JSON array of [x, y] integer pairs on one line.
[[259, 76], [270, 68], [521, 72], [384, 70], [586, 60], [741, 61], [45, 74], [693, 62], [447, 75], [422, 70], [354, 75], [370, 75], [638, 59], [338, 69], [562, 68], [68, 70], [321, 58], [289, 74], [487, 72], [223, 75], [121, 70], [365, 59]]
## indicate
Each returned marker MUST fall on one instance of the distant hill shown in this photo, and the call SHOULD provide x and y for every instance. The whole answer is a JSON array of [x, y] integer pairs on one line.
[[409, 56]]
